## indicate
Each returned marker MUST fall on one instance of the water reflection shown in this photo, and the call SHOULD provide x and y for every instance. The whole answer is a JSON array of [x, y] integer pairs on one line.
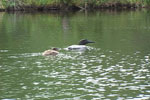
[[93, 74], [115, 68], [87, 75]]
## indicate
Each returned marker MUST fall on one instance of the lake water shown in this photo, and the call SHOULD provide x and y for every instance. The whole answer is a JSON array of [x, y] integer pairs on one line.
[[116, 67]]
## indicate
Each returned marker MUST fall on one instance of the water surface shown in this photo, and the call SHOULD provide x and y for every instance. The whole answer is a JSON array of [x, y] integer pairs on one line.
[[116, 67]]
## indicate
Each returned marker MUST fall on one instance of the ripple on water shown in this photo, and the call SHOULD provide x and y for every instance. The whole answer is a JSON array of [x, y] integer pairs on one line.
[[100, 74], [3, 51]]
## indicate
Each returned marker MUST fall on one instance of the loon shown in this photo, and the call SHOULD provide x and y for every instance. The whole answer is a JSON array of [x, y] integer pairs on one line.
[[81, 46], [52, 52]]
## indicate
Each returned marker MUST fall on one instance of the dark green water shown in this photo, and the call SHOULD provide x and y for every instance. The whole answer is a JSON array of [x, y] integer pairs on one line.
[[117, 67]]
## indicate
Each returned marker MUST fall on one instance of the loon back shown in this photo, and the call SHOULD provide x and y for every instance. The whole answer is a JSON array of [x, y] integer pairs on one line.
[[77, 47], [52, 52]]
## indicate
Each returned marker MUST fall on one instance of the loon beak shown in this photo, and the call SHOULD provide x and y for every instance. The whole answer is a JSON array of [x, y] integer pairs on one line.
[[90, 41]]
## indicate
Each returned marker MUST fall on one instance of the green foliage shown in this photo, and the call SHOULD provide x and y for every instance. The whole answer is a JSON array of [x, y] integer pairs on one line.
[[147, 2], [81, 3]]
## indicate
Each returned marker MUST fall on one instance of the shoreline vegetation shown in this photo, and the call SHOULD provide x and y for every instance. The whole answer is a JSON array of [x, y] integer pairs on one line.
[[40, 5]]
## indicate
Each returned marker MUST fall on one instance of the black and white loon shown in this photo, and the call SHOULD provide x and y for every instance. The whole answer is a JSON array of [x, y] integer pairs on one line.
[[81, 46]]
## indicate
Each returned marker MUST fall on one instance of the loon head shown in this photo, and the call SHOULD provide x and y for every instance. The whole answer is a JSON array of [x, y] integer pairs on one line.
[[85, 41], [56, 49]]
